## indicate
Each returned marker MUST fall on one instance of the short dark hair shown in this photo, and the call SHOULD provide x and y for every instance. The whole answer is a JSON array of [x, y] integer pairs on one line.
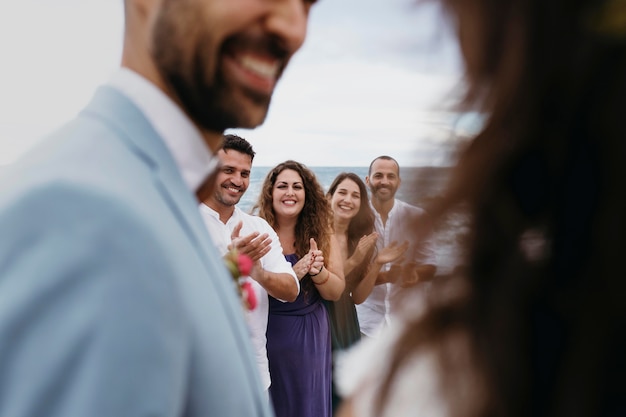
[[386, 158], [238, 144]]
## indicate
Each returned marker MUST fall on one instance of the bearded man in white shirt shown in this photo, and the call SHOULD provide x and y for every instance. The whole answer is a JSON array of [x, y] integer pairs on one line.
[[393, 221], [230, 227]]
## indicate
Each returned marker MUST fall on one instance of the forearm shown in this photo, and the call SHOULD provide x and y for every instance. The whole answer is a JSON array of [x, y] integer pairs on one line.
[[329, 284], [419, 274], [348, 265], [282, 286], [426, 272], [383, 277], [363, 289]]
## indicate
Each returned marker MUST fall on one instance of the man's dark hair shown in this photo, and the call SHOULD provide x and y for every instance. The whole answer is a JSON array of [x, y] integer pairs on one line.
[[238, 144], [386, 158]]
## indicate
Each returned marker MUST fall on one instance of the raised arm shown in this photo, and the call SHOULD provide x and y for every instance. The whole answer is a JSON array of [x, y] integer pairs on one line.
[[390, 253], [361, 252], [329, 280], [280, 285]]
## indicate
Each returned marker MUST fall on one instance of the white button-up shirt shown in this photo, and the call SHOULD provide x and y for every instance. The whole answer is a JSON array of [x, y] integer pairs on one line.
[[377, 310], [274, 261]]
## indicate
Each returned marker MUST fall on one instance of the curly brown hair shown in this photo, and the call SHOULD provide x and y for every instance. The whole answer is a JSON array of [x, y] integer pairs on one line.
[[315, 219]]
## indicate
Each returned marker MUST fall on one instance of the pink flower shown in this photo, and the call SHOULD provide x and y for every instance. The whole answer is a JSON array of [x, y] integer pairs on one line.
[[240, 267], [245, 264], [248, 294]]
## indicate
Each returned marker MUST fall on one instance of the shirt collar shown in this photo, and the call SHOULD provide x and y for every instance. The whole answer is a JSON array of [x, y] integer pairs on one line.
[[209, 211], [393, 208], [182, 138]]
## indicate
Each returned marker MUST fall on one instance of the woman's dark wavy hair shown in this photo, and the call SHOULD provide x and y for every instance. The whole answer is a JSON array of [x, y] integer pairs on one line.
[[360, 225], [538, 332], [315, 219]]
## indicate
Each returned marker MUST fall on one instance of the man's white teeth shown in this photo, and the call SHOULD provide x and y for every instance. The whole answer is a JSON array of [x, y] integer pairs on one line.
[[260, 67]]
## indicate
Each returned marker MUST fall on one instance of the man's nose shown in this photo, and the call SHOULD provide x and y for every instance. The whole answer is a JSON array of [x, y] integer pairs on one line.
[[288, 20], [236, 179]]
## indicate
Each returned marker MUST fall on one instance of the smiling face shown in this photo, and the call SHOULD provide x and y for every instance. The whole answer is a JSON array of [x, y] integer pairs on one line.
[[288, 194], [383, 180], [346, 200], [221, 59], [232, 179]]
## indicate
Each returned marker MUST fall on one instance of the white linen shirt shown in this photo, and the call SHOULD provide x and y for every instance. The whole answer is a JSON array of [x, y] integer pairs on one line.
[[376, 311], [274, 261], [182, 138]]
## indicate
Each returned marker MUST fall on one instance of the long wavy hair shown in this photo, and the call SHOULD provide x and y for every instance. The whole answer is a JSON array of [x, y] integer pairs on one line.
[[533, 323], [360, 225], [315, 219]]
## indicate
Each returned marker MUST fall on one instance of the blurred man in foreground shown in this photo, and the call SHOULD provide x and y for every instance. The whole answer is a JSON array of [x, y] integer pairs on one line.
[[114, 301]]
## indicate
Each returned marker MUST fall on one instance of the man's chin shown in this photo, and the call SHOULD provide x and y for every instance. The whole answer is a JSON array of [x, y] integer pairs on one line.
[[215, 110], [244, 117], [251, 119], [252, 111]]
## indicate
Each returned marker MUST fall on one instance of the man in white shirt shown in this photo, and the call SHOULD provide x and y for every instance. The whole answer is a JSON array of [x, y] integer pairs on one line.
[[395, 222], [114, 300], [230, 227]]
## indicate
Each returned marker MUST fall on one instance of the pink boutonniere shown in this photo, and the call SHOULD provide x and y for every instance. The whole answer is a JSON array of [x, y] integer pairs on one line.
[[240, 266]]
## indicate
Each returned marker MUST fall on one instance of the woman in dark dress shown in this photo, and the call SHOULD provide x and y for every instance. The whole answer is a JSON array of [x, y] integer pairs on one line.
[[353, 224], [298, 334]]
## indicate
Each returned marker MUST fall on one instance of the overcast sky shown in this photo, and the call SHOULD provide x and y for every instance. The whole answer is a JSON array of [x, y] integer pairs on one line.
[[374, 77]]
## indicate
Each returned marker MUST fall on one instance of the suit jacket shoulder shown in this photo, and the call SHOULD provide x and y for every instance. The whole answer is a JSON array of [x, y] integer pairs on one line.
[[118, 304]]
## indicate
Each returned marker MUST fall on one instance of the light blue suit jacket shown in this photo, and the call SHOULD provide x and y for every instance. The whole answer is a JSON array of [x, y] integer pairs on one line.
[[113, 301]]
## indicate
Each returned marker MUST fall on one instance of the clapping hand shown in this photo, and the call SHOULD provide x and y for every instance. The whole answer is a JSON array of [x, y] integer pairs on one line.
[[366, 243], [393, 252], [409, 275], [254, 245], [317, 258], [311, 263]]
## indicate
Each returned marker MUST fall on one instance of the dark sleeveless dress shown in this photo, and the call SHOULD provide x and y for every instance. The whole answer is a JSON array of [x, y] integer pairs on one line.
[[345, 330], [299, 353]]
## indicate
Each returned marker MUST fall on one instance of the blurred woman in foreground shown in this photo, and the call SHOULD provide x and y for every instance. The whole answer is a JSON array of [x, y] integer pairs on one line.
[[535, 323]]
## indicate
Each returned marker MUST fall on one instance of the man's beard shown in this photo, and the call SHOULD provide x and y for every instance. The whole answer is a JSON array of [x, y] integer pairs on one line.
[[386, 197], [225, 201], [210, 104]]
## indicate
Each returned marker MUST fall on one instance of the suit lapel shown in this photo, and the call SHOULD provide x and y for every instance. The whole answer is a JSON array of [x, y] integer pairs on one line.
[[117, 111]]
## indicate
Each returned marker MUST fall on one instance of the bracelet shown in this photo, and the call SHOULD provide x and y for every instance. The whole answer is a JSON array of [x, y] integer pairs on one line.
[[323, 282], [318, 272]]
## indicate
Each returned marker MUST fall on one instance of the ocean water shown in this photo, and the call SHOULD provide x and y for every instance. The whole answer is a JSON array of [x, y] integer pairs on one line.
[[419, 186]]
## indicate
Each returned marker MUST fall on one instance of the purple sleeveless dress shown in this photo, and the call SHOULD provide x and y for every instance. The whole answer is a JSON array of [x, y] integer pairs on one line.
[[299, 352]]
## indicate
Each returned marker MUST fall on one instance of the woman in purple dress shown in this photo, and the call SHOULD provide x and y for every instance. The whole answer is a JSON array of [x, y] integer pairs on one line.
[[298, 333]]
